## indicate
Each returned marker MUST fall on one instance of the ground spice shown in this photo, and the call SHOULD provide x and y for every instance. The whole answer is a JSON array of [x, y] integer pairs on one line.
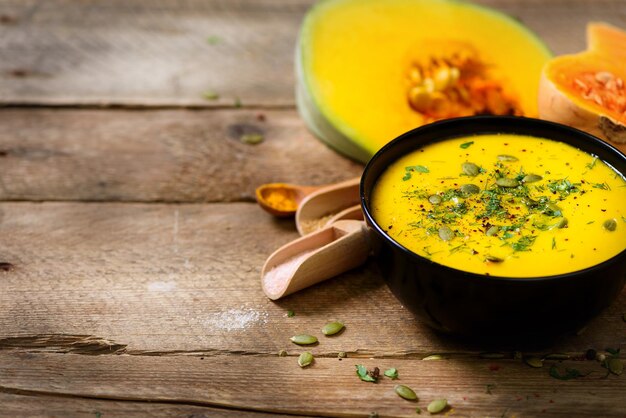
[[280, 199]]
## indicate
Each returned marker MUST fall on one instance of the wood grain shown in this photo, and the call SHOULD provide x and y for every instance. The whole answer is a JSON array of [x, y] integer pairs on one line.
[[146, 53], [329, 387], [164, 155], [155, 279]]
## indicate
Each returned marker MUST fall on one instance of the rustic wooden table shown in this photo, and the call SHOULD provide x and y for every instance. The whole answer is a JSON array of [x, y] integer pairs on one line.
[[131, 247]]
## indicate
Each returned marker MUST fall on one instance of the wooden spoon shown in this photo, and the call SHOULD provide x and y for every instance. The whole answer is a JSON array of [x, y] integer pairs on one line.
[[292, 195], [311, 259], [327, 203]]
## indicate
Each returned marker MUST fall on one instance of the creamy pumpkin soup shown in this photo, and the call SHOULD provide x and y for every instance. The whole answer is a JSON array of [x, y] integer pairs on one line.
[[504, 205]]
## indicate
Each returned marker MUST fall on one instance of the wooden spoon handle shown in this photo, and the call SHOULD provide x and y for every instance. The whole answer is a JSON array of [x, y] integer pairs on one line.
[[319, 256]]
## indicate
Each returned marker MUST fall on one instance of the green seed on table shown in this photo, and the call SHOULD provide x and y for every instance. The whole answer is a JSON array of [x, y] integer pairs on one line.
[[470, 169], [534, 362], [305, 359], [532, 178], [252, 139], [470, 189], [342, 354], [434, 199], [303, 339], [445, 233], [507, 182], [505, 157], [282, 353], [615, 366], [435, 357], [437, 406], [391, 373], [610, 225], [558, 356], [405, 392], [493, 230], [332, 328]]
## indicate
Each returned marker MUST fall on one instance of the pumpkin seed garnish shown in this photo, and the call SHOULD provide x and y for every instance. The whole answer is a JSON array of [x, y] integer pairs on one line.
[[445, 233], [493, 259], [303, 339], [391, 373], [533, 361], [470, 189], [437, 406], [493, 230], [507, 182], [610, 225], [405, 392], [505, 157], [435, 199], [332, 328], [561, 223], [532, 178], [615, 366], [470, 169], [305, 359]]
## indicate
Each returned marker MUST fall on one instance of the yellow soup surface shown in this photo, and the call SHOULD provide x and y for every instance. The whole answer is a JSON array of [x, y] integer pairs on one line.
[[504, 205]]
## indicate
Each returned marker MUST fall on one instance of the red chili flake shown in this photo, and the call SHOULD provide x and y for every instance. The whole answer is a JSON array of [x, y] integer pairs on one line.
[[519, 398], [551, 401], [494, 367], [260, 117], [537, 395], [464, 398]]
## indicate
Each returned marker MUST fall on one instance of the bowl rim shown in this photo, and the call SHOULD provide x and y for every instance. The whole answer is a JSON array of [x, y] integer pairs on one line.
[[484, 119]]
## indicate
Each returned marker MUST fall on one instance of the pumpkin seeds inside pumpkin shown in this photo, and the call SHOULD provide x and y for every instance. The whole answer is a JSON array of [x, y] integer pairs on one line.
[[437, 406], [305, 359], [332, 328], [610, 225], [303, 339], [405, 392], [445, 233], [507, 182], [470, 169]]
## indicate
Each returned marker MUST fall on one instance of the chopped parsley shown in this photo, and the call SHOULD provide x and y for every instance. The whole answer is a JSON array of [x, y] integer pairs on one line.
[[466, 145]]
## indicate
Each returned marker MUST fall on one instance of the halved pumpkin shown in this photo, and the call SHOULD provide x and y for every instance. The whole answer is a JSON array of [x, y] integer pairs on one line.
[[369, 70], [588, 90]]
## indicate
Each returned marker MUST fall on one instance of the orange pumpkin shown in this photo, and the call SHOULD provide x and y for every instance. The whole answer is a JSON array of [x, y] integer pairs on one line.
[[588, 90]]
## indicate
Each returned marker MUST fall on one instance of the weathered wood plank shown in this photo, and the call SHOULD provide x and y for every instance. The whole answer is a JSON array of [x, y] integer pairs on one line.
[[159, 53], [329, 387], [166, 155], [37, 405], [154, 279]]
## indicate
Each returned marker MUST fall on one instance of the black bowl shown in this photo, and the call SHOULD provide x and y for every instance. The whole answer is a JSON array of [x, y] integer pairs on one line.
[[459, 302]]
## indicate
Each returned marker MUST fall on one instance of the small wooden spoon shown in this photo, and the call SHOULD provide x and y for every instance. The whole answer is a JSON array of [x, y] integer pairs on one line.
[[293, 195], [328, 202], [318, 256]]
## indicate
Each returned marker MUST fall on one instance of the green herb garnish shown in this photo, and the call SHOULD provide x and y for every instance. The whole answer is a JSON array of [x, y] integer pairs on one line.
[[553, 243], [601, 186], [592, 164], [213, 40], [414, 168], [210, 95], [290, 314], [361, 371], [568, 375], [466, 145]]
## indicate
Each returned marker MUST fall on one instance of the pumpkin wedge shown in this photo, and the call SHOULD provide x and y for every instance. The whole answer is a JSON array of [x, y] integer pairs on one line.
[[588, 90], [369, 70]]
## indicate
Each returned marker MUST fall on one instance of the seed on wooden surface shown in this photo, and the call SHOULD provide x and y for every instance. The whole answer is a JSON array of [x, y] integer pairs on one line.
[[558, 356], [437, 406], [533, 362], [252, 139], [435, 357], [305, 359], [332, 328], [615, 366], [303, 339], [470, 169], [342, 354], [282, 353], [405, 392]]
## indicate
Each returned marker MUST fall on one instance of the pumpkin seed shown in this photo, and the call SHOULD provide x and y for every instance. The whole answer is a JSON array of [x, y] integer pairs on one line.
[[391, 373], [505, 157], [507, 182], [470, 189], [562, 223], [305, 359], [405, 392], [493, 230], [553, 209], [435, 199], [252, 139], [493, 259], [332, 328], [615, 366], [492, 355], [517, 355], [445, 233], [610, 225], [533, 362], [435, 357], [282, 353], [437, 406], [342, 354], [532, 178], [558, 356], [303, 339], [470, 169]]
